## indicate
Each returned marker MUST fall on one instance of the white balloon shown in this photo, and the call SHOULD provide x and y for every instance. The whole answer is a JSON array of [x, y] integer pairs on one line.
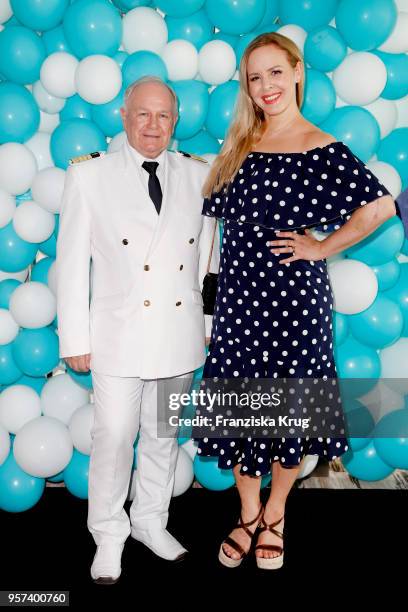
[[80, 427], [8, 327], [116, 142], [5, 11], [216, 62], [39, 145], [21, 276], [387, 175], [340, 102], [18, 167], [181, 59], [307, 465], [394, 361], [385, 111], [43, 447], [48, 122], [144, 29], [360, 78], [295, 33], [48, 187], [4, 444], [98, 79], [32, 223], [61, 396], [397, 42], [47, 102], [57, 74], [183, 474], [19, 404], [354, 285], [191, 448], [7, 207], [402, 5], [402, 110], [33, 305]]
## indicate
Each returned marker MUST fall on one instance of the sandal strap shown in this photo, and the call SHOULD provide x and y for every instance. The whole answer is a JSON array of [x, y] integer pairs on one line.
[[234, 545], [270, 527], [245, 526]]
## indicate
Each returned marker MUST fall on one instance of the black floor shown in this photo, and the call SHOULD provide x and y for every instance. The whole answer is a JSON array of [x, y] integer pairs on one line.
[[332, 537]]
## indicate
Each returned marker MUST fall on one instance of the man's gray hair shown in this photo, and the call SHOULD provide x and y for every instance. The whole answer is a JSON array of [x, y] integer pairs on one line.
[[151, 79]]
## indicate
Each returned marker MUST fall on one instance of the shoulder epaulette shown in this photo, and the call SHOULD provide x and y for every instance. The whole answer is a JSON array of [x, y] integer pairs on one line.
[[196, 157], [81, 158]]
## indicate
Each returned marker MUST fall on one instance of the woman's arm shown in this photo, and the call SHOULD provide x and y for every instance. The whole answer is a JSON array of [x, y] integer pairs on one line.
[[363, 222]]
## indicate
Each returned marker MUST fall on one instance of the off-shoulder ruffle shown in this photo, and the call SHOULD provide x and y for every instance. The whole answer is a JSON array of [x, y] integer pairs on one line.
[[318, 188]]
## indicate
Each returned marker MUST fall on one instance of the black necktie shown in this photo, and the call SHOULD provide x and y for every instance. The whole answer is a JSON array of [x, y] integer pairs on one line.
[[155, 191]]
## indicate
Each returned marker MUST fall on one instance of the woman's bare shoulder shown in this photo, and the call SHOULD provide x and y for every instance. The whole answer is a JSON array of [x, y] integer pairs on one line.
[[318, 138]]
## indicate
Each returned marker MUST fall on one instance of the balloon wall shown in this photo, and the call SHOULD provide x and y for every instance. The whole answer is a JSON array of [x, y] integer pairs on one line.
[[64, 67]]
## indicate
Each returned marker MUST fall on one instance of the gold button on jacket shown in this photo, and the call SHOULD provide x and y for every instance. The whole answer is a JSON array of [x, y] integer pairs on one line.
[[147, 302]]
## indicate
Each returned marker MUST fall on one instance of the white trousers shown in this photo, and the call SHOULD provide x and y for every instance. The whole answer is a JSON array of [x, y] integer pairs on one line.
[[123, 406]]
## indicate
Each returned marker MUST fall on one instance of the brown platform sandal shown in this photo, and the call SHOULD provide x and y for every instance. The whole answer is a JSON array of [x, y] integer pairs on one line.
[[273, 562], [229, 561]]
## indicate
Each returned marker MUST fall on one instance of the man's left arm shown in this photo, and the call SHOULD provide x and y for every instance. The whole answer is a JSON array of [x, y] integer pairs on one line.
[[206, 238]]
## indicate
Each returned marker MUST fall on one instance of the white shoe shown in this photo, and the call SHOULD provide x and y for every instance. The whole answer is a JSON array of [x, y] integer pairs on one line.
[[106, 567], [161, 542]]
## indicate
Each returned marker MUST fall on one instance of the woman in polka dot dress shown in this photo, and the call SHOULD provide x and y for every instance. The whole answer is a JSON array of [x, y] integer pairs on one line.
[[279, 173]]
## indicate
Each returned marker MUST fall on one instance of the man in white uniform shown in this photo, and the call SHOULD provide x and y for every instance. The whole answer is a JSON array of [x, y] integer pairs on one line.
[[136, 214]]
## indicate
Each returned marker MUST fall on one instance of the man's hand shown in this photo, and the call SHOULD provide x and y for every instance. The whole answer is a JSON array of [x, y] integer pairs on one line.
[[80, 363]]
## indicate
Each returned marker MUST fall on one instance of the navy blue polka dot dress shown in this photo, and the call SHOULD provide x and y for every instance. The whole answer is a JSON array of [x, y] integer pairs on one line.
[[274, 320]]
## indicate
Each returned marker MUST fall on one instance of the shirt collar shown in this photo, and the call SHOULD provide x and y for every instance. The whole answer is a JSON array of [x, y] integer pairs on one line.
[[139, 158]]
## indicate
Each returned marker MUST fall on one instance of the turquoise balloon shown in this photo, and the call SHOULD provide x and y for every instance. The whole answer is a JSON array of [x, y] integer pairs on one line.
[[19, 491], [55, 41], [35, 382], [236, 16], [404, 248], [76, 475], [49, 246], [391, 439], [179, 9], [379, 325], [120, 58], [382, 245], [7, 287], [393, 150], [399, 294], [324, 49], [387, 274], [397, 74], [308, 14], [40, 270], [35, 351], [127, 5], [9, 370], [200, 144], [366, 464], [233, 41], [84, 379], [341, 328], [15, 253], [221, 108], [246, 39], [366, 24], [57, 478], [76, 108], [355, 360], [93, 27], [210, 476], [75, 137], [143, 63], [360, 424], [22, 53], [270, 15], [356, 127], [19, 113], [39, 15], [196, 28], [107, 116], [319, 98], [357, 444], [193, 107]]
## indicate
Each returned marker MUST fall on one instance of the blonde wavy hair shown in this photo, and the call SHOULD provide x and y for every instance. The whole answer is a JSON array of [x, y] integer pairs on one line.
[[249, 122]]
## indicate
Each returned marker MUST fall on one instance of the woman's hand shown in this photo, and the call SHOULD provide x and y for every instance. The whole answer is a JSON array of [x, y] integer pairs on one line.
[[300, 246]]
